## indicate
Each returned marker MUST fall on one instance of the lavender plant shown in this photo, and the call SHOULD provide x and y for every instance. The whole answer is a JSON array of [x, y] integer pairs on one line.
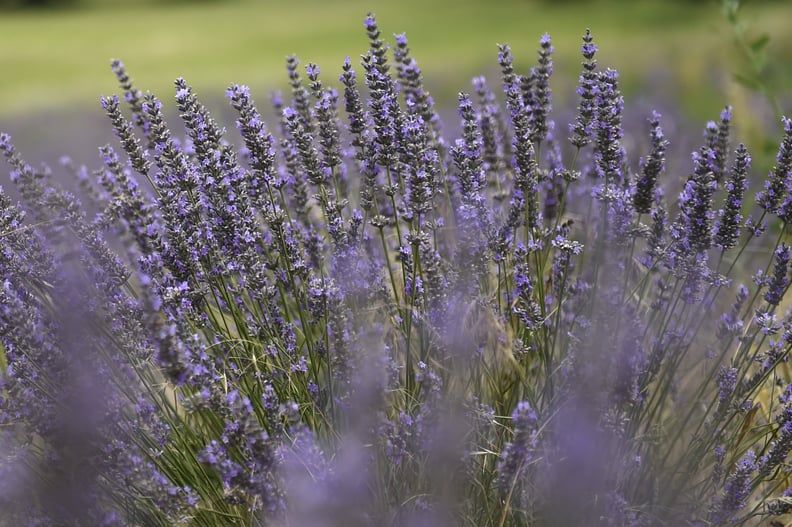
[[349, 318]]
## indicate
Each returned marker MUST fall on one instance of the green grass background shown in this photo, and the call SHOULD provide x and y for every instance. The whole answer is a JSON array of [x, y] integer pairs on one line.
[[678, 55], [56, 57]]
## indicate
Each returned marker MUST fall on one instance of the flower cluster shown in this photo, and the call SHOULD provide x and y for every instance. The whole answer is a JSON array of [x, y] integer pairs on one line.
[[354, 318]]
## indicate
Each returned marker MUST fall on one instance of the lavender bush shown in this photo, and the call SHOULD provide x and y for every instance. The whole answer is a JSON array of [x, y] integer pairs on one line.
[[349, 319]]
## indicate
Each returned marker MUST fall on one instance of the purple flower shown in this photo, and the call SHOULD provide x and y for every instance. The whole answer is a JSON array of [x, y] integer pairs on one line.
[[736, 490], [134, 99], [581, 129], [780, 448], [766, 322], [370, 23], [491, 126], [778, 181], [312, 70], [655, 243], [539, 91], [383, 105], [300, 95], [123, 129], [417, 99], [524, 305], [260, 148], [520, 451], [467, 153], [358, 121], [304, 142], [727, 227], [329, 142], [727, 383], [651, 167], [730, 324], [524, 162], [608, 152], [694, 230], [401, 39], [780, 279], [717, 136]]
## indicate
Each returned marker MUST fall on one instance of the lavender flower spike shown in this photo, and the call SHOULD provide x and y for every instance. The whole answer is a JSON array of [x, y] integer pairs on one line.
[[736, 490], [581, 128], [519, 452], [695, 205], [778, 181], [541, 94], [652, 166], [718, 141], [780, 280], [727, 228]]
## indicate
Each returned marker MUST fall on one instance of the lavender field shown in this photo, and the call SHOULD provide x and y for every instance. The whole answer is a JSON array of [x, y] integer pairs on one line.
[[363, 304]]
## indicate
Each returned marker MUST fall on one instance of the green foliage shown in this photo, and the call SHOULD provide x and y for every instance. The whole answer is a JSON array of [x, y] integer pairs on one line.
[[754, 51], [50, 57]]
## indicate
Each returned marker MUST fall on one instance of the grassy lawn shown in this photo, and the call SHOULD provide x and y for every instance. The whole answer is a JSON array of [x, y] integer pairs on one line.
[[56, 57]]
